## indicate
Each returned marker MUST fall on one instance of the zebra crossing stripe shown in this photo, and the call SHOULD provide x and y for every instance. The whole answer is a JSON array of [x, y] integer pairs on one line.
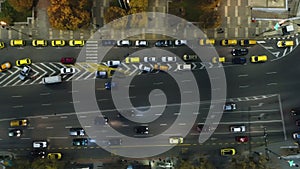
[[284, 52], [297, 42]]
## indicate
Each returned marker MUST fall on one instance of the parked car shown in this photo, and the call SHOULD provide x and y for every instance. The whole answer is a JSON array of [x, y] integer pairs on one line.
[[180, 42], [239, 52], [297, 122], [176, 140], [285, 43], [40, 144], [163, 43], [206, 42], [109, 85], [228, 151], [132, 60], [124, 43], [17, 123], [54, 156], [5, 66], [15, 133], [18, 42], [77, 132], [80, 142], [149, 59], [228, 42], [115, 142], [78, 43], [38, 153], [58, 43], [142, 130], [113, 63], [67, 70], [190, 57], [219, 59], [200, 128], [237, 129], [161, 67], [145, 68], [168, 59], [101, 74], [247, 42], [296, 135], [109, 42], [24, 72], [25, 61], [295, 111], [258, 59], [41, 43], [184, 66], [230, 106], [241, 139], [141, 43], [239, 60], [2, 45], [67, 60]]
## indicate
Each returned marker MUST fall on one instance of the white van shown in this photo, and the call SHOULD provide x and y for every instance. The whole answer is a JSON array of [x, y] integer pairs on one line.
[[52, 79], [184, 66]]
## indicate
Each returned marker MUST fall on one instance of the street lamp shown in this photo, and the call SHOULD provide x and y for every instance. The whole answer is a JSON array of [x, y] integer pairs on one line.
[[4, 24]]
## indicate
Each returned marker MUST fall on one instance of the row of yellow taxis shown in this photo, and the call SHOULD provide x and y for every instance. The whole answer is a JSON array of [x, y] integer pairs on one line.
[[43, 43]]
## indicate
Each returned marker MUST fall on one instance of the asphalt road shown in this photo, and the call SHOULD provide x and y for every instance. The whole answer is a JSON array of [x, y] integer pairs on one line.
[[264, 93]]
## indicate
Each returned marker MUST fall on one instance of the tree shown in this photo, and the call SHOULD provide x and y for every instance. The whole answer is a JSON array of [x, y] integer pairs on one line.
[[114, 13], [209, 19], [249, 162], [21, 5], [141, 4]]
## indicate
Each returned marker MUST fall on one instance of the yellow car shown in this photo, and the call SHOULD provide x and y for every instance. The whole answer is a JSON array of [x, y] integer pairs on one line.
[[54, 156], [58, 43], [175, 140], [16, 123], [132, 60], [228, 151], [218, 59], [18, 42], [229, 42], [39, 43], [161, 67], [4, 66], [76, 43], [2, 45], [283, 43], [258, 59], [207, 42], [25, 61], [247, 42]]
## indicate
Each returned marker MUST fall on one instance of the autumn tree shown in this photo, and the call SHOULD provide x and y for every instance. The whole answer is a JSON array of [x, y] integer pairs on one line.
[[141, 5], [114, 13], [249, 162], [21, 5], [139, 20]]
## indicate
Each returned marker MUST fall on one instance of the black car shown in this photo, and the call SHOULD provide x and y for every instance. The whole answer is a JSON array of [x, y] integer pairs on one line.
[[38, 154], [163, 43], [239, 60], [239, 52], [142, 130], [295, 111], [15, 133], [80, 142]]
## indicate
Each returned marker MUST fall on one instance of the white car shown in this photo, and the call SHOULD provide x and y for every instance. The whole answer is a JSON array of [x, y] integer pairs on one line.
[[168, 59], [113, 63], [180, 42], [175, 140], [40, 144], [145, 68], [67, 70], [184, 66], [149, 59], [25, 72], [141, 43], [121, 43], [238, 129]]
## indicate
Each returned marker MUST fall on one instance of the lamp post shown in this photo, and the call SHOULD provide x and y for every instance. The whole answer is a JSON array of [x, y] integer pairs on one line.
[[5, 25]]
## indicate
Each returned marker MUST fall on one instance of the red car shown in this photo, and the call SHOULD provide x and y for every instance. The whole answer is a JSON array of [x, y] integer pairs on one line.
[[67, 60], [241, 139]]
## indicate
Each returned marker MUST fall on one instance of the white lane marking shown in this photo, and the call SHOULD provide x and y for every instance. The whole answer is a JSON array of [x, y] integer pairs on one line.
[[44, 117], [49, 127], [158, 83], [46, 104], [163, 124], [44, 94], [261, 41], [256, 111], [19, 106], [269, 73], [244, 86], [129, 86], [73, 91], [181, 124], [214, 89], [187, 92], [57, 137], [25, 138], [185, 81], [74, 102], [100, 88], [158, 114], [176, 114], [99, 100], [282, 117], [252, 122], [131, 97], [159, 94], [244, 75], [271, 84], [68, 127], [268, 47], [259, 105], [196, 113], [87, 126], [16, 96], [125, 125], [63, 117], [82, 116]]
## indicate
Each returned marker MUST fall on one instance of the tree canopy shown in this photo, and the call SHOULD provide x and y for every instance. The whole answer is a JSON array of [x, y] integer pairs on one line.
[[21, 5]]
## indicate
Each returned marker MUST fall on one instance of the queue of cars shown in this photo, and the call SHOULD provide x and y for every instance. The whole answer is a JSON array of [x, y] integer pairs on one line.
[[44, 43]]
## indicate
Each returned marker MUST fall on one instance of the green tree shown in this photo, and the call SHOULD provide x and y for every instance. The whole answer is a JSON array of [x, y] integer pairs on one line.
[[21, 5], [249, 162]]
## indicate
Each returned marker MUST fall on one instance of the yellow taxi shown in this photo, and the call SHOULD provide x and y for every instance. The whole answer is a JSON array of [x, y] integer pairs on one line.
[[175, 140], [17, 42], [79, 43], [16, 123], [58, 43], [161, 67], [218, 59], [228, 151], [39, 43], [258, 59], [54, 156], [4, 66], [229, 42], [207, 41], [247, 42], [285, 43], [2, 45], [132, 60], [25, 61]]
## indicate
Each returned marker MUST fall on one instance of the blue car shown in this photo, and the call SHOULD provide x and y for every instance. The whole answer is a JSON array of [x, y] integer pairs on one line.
[[229, 106], [109, 85], [296, 135], [239, 60]]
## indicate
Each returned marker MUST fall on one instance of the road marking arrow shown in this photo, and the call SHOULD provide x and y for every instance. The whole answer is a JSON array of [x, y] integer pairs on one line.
[[194, 66], [53, 71], [135, 69], [203, 65], [261, 41]]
